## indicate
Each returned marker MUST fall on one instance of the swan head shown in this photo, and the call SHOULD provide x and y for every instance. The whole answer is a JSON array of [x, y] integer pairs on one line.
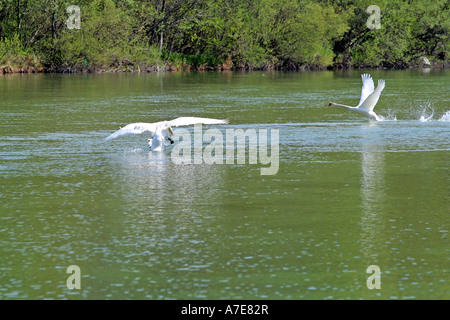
[[156, 142], [330, 104], [170, 136]]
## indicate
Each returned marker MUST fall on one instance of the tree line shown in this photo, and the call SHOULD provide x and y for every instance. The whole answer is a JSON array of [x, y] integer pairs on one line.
[[131, 35]]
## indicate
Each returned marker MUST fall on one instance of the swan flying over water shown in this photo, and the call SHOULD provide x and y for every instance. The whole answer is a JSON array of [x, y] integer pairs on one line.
[[369, 98], [161, 130]]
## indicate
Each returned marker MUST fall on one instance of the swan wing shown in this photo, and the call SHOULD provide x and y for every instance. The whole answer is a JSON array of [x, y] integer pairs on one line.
[[187, 121], [135, 128], [372, 99], [140, 127], [367, 87]]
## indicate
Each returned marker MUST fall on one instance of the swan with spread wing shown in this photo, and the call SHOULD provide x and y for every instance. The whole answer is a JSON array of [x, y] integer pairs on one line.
[[369, 98], [160, 131]]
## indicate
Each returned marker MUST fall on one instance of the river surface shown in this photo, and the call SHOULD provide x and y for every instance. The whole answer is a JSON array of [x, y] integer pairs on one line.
[[345, 193]]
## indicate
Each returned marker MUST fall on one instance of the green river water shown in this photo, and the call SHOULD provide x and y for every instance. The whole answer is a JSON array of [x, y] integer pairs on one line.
[[348, 193]]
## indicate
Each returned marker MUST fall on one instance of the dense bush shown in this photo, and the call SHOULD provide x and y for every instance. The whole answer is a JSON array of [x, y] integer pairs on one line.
[[132, 35]]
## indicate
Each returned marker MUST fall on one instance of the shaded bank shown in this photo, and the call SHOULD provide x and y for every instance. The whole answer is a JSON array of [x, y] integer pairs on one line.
[[28, 66]]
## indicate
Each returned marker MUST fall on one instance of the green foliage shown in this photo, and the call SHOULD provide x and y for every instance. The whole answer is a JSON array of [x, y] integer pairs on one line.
[[99, 42], [289, 34], [409, 29], [13, 55]]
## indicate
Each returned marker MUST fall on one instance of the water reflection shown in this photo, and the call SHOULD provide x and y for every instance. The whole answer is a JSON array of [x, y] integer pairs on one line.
[[160, 183], [169, 209], [372, 190]]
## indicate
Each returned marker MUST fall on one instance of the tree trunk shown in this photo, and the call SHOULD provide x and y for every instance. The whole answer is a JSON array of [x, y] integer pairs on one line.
[[161, 40]]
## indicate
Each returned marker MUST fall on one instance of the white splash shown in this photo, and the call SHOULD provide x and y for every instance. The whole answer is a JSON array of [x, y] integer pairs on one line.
[[134, 150], [424, 118], [426, 113], [389, 117], [445, 117]]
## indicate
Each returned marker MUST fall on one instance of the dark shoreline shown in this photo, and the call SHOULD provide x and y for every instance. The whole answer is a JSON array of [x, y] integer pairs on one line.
[[5, 70]]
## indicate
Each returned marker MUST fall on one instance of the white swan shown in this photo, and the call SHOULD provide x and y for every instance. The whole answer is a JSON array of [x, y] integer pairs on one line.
[[161, 130], [369, 98]]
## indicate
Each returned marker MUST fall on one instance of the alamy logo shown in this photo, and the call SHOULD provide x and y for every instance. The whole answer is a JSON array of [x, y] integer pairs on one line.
[[213, 153], [374, 21], [74, 20], [74, 281], [374, 281]]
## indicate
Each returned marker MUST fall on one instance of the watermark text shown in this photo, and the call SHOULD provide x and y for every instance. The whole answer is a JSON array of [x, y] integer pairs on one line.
[[235, 147]]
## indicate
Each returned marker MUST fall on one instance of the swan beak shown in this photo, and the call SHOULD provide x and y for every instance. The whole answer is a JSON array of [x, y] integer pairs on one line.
[[329, 105], [171, 133]]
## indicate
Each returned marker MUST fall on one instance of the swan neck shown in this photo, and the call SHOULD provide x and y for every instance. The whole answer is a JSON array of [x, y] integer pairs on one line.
[[342, 105]]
